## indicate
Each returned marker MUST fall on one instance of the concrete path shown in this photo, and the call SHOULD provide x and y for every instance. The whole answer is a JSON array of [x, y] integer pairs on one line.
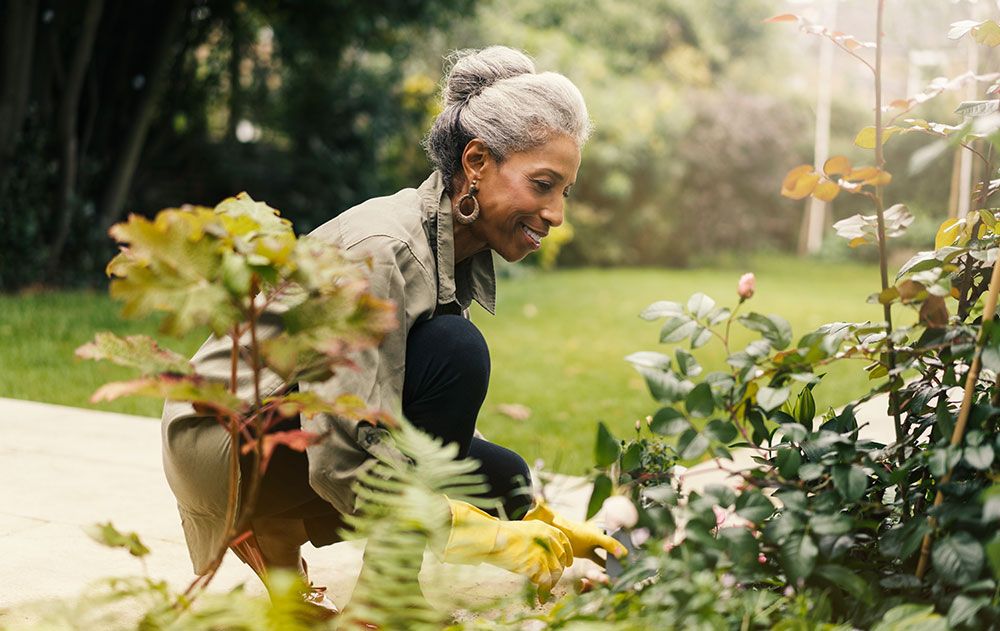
[[63, 469]]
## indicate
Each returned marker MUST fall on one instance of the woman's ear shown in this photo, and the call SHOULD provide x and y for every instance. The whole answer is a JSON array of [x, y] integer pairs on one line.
[[475, 159]]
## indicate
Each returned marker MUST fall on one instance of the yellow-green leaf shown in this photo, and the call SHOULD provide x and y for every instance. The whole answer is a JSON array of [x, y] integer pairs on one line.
[[948, 232], [135, 351], [988, 218], [987, 33], [866, 137]]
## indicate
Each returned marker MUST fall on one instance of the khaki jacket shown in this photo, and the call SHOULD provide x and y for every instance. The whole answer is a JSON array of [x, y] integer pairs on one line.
[[396, 232]]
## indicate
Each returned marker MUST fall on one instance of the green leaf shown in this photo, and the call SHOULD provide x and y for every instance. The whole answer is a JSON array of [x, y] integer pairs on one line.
[[649, 359], [942, 459], [692, 444], [798, 554], [990, 357], [719, 316], [902, 540], [601, 492], [700, 305], [911, 618], [825, 524], [676, 329], [774, 328], [805, 407], [754, 507], [668, 422], [741, 546], [632, 457], [792, 500], [788, 461], [850, 481], [770, 398], [687, 365], [722, 431], [991, 503], [607, 448], [664, 386], [978, 108], [811, 471], [664, 494], [700, 402], [964, 608], [106, 534], [979, 457], [700, 337], [135, 351], [661, 309], [958, 559], [993, 554], [843, 578]]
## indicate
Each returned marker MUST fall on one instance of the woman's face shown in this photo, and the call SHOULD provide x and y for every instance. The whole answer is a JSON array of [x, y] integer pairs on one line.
[[521, 198]]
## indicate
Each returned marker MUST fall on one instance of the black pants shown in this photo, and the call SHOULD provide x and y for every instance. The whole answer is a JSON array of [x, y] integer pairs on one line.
[[447, 374]]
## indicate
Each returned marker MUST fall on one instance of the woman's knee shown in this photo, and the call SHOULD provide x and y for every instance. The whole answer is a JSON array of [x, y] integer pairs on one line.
[[446, 351]]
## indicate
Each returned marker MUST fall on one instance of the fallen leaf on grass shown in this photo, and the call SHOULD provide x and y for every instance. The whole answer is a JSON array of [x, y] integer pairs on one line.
[[515, 411]]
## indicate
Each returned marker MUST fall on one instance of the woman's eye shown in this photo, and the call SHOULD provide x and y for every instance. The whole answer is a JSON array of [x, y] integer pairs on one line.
[[543, 186]]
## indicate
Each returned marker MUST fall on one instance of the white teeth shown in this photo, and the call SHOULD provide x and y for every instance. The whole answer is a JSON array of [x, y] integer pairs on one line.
[[535, 236]]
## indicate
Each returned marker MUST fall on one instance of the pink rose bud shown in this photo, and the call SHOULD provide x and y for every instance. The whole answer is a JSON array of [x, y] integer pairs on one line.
[[640, 536], [746, 286], [761, 558], [638, 425], [721, 515], [619, 512]]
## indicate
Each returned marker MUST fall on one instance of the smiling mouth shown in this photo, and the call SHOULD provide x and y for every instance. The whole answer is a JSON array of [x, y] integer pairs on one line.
[[534, 237]]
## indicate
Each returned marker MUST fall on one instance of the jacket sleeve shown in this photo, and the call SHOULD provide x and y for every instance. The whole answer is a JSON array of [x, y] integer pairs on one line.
[[335, 462]]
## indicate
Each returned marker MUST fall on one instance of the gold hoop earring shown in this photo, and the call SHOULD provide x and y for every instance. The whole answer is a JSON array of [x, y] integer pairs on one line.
[[462, 213]]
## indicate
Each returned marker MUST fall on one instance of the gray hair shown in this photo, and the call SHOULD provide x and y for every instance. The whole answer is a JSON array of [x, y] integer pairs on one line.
[[494, 94]]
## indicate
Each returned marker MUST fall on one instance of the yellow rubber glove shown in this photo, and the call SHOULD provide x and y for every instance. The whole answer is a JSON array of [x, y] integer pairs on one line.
[[584, 538], [533, 549]]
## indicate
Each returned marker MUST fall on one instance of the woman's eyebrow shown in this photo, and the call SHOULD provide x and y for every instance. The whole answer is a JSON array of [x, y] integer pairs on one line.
[[556, 174]]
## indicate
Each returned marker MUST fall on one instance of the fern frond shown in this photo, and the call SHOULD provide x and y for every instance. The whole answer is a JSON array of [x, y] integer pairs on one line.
[[403, 509]]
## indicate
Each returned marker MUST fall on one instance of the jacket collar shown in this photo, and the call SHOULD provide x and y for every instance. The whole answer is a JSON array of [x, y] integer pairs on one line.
[[473, 278]]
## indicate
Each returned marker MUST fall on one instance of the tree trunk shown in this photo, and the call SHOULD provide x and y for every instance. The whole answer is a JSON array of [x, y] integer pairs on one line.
[[235, 89], [66, 118], [128, 157], [20, 19]]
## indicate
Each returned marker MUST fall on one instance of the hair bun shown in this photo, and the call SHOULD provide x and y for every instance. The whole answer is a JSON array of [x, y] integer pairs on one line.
[[472, 71]]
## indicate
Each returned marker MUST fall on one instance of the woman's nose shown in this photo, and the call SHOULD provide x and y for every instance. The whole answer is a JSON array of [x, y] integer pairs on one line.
[[553, 213]]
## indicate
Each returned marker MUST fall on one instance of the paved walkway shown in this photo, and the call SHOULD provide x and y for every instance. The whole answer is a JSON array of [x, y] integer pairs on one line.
[[62, 469]]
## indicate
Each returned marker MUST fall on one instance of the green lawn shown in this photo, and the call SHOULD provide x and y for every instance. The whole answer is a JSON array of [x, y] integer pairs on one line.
[[557, 345]]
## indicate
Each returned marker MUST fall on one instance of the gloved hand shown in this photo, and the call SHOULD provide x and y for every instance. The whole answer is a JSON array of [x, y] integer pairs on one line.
[[584, 538], [531, 548]]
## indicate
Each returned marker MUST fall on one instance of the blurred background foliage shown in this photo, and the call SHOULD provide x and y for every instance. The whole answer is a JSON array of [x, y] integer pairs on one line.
[[116, 106]]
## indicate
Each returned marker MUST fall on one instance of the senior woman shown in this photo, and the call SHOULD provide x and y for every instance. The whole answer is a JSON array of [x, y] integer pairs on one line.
[[506, 150]]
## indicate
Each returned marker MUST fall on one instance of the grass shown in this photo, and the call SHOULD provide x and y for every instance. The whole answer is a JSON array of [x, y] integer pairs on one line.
[[557, 345]]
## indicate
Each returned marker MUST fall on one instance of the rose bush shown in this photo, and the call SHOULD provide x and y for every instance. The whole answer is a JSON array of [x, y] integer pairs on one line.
[[828, 529]]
